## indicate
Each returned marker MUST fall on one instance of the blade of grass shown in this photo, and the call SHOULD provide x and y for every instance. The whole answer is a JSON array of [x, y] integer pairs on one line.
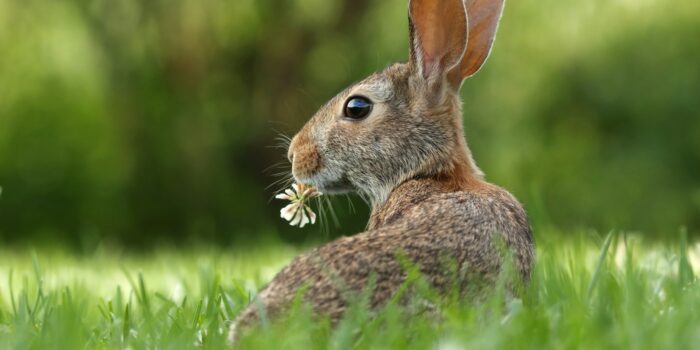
[[599, 265], [685, 269], [197, 313], [144, 295], [12, 293], [39, 284], [125, 328]]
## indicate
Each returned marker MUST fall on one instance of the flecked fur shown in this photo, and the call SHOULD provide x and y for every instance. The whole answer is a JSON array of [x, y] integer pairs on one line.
[[429, 200]]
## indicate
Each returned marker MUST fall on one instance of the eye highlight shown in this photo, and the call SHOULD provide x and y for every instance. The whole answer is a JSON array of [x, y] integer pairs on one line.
[[357, 107]]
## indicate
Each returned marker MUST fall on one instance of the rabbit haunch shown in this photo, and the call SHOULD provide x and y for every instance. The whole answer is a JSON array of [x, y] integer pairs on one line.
[[430, 202]]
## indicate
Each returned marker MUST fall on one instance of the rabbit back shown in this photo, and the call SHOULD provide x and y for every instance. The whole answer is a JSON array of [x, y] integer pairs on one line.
[[469, 229]]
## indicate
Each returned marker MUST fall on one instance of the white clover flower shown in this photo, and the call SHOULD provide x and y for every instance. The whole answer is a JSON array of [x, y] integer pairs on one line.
[[298, 212]]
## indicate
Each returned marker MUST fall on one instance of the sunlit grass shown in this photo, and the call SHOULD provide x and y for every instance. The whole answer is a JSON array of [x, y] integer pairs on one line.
[[588, 291]]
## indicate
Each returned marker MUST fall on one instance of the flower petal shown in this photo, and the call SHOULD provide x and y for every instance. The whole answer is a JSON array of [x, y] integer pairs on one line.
[[314, 194], [283, 196], [312, 215], [307, 192], [297, 212], [304, 218], [297, 218], [288, 212]]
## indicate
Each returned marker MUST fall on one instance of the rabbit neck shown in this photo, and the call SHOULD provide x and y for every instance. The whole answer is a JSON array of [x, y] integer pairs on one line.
[[457, 173], [460, 176]]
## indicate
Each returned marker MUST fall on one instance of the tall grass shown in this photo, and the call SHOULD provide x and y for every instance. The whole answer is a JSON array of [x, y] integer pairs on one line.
[[586, 292]]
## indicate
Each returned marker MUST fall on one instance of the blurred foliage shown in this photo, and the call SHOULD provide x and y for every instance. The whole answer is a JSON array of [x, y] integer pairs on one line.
[[153, 121], [623, 293]]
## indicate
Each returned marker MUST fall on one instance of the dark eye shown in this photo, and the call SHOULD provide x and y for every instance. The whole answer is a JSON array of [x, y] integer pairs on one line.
[[357, 107]]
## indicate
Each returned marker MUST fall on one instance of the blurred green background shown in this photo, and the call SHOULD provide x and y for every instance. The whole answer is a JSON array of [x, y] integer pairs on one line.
[[144, 122]]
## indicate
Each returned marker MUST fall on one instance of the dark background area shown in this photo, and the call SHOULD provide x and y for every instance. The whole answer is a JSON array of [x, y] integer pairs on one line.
[[149, 122]]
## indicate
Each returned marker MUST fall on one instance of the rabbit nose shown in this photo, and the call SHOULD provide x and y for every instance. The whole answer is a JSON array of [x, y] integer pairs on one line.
[[292, 146], [290, 155]]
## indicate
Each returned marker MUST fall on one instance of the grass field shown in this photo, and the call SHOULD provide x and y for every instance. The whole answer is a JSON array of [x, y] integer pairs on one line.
[[587, 292]]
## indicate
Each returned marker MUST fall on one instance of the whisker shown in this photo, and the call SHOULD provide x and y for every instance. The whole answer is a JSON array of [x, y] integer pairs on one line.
[[282, 188], [281, 134], [283, 139], [282, 173], [282, 176], [364, 198], [350, 204], [285, 182], [334, 217], [282, 142], [277, 165], [322, 217]]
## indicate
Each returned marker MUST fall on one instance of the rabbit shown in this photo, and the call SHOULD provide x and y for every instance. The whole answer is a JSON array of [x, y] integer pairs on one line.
[[396, 137]]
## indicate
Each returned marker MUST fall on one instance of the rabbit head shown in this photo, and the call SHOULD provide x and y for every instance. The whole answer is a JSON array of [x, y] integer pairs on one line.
[[404, 121]]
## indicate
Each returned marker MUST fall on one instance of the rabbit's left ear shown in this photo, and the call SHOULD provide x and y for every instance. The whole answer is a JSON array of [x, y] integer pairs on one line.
[[483, 17], [438, 30]]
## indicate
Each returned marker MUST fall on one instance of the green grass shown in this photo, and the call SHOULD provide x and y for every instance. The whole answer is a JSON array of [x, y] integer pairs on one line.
[[586, 292]]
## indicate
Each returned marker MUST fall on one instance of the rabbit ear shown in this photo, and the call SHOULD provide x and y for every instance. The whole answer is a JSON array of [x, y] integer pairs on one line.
[[438, 35], [483, 17]]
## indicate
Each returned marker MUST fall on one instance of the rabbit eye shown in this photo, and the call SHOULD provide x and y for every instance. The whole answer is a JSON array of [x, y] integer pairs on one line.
[[357, 107]]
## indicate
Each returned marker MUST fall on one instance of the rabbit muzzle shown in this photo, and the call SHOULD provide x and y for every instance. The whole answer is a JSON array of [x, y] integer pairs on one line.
[[308, 167], [304, 157]]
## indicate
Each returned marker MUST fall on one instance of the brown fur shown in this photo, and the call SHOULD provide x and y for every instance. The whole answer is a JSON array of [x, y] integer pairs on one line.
[[307, 161], [410, 158]]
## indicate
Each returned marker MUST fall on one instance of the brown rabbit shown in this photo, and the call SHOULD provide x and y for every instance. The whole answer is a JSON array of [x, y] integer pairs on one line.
[[396, 137]]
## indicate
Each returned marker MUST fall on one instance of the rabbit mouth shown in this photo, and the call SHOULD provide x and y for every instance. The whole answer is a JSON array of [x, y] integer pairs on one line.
[[338, 187], [331, 185]]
